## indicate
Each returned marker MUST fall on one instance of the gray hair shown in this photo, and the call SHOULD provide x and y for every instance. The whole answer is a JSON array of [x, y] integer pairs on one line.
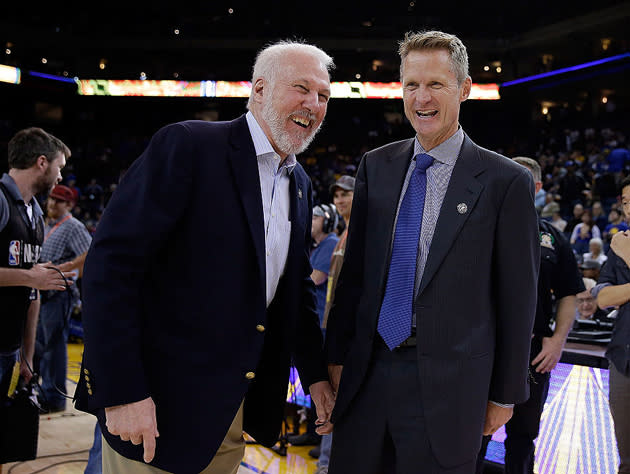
[[436, 40], [598, 241], [268, 60], [530, 164]]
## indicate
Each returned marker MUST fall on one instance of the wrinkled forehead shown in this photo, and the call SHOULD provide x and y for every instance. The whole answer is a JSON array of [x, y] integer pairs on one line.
[[297, 65]]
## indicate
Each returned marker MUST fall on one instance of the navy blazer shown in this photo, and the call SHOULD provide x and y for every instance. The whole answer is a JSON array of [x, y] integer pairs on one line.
[[174, 296], [476, 301]]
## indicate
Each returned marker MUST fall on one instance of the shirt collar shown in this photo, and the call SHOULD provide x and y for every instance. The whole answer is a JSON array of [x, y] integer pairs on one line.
[[262, 145], [15, 194], [447, 151]]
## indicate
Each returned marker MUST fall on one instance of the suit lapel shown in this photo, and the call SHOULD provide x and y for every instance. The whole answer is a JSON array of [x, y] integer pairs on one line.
[[245, 169], [463, 191]]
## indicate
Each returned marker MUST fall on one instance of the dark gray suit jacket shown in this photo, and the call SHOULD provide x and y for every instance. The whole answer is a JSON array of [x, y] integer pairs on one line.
[[477, 297]]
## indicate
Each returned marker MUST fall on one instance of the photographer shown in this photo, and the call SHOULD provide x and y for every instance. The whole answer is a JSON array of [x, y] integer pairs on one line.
[[35, 161]]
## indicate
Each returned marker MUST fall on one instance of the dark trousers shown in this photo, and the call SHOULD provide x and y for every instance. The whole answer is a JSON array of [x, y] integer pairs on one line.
[[522, 429], [383, 430]]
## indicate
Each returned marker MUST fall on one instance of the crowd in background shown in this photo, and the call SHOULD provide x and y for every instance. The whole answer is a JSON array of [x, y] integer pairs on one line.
[[582, 170]]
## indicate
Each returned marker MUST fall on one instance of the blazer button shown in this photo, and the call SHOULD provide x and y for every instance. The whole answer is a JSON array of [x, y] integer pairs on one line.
[[86, 371], [260, 328], [90, 391], [250, 375]]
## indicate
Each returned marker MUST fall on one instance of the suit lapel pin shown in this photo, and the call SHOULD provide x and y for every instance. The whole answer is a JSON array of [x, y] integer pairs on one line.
[[300, 193], [462, 208]]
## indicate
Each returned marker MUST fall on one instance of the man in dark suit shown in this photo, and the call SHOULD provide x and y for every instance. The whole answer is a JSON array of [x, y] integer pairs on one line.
[[197, 289], [428, 337]]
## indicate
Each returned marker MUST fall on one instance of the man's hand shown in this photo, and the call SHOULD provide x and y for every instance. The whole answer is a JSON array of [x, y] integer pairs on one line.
[[334, 374], [496, 417], [549, 355], [620, 244], [43, 277], [25, 371], [135, 422], [324, 400]]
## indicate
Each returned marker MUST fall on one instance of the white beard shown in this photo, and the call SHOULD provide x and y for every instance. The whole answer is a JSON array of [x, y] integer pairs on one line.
[[286, 142]]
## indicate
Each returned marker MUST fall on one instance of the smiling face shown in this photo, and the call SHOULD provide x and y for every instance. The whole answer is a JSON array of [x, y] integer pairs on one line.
[[292, 108], [432, 95], [343, 202]]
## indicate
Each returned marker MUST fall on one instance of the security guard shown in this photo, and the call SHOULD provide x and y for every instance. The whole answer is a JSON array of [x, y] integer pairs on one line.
[[35, 162], [559, 281]]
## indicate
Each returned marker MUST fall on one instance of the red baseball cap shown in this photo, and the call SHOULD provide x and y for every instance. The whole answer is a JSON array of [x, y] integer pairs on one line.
[[62, 193]]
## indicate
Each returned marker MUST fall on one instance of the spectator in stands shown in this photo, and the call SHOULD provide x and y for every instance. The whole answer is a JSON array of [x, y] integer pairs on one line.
[[93, 196], [616, 223], [146, 334], [590, 269], [560, 280], [551, 206], [71, 182], [618, 159], [596, 251], [572, 187], [35, 161], [600, 219], [66, 242], [558, 222], [587, 308], [583, 233], [578, 210]]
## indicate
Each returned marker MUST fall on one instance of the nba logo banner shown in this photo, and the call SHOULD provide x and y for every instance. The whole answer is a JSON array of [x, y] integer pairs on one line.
[[14, 253]]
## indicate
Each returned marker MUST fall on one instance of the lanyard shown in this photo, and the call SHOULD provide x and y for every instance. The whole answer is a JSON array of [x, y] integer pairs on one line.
[[56, 226]]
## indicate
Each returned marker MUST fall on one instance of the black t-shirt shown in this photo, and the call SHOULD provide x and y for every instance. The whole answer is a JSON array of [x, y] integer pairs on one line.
[[559, 275]]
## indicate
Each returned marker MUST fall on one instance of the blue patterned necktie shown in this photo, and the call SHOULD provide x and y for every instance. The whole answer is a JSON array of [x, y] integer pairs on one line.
[[394, 322]]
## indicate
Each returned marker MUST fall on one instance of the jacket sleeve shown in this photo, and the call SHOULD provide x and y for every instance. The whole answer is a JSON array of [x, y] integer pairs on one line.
[[516, 262], [137, 222]]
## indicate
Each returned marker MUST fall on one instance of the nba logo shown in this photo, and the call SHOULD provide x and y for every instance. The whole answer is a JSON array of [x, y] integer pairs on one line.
[[14, 253]]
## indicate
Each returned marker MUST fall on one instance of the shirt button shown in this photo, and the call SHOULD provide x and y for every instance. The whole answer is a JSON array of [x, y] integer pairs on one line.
[[260, 328], [250, 375], [268, 253]]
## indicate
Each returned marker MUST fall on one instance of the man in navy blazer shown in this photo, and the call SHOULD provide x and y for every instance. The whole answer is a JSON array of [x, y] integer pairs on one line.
[[421, 404], [197, 290]]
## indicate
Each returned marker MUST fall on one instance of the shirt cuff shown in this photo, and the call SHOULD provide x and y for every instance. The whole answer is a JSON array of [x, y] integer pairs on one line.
[[503, 405], [597, 288]]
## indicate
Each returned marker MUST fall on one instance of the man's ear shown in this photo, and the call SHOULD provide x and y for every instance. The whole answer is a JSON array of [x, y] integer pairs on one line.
[[42, 162], [465, 89], [259, 87]]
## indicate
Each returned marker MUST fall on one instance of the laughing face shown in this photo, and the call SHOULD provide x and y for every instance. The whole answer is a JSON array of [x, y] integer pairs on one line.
[[294, 106], [432, 96]]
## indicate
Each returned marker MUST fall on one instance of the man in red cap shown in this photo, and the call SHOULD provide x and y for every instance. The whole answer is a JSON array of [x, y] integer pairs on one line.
[[66, 242]]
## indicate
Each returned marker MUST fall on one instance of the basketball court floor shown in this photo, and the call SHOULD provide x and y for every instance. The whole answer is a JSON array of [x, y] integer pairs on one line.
[[65, 439]]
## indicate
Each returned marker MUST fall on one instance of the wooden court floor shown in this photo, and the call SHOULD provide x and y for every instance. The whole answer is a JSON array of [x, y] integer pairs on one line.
[[65, 439]]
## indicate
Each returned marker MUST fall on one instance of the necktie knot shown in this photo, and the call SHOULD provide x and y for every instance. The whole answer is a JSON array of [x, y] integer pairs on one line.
[[423, 161]]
